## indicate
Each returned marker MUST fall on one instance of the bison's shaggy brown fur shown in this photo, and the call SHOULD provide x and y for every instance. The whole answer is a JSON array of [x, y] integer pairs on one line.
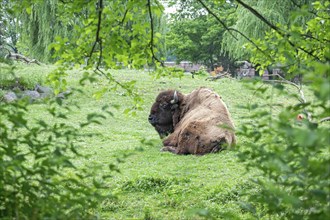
[[198, 123]]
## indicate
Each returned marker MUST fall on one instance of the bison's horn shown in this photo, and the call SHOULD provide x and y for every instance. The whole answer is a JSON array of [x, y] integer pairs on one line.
[[175, 98]]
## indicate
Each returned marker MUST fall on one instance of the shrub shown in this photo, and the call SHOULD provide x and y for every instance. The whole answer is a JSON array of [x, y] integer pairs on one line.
[[21, 77], [293, 154], [39, 177]]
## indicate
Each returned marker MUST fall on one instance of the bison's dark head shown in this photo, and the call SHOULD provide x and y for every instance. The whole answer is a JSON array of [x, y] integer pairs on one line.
[[164, 114]]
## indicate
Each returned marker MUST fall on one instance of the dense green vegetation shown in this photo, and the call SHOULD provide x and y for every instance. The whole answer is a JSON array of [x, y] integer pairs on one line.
[[150, 182], [196, 36], [91, 153]]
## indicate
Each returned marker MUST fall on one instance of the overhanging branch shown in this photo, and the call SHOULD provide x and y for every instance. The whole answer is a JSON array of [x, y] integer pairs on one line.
[[299, 88], [251, 41], [98, 40], [279, 31], [151, 43], [217, 18], [230, 30], [258, 15]]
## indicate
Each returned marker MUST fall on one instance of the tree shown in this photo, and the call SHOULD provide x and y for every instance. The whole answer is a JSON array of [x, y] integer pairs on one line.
[[196, 40], [9, 26], [40, 23], [196, 36], [250, 27]]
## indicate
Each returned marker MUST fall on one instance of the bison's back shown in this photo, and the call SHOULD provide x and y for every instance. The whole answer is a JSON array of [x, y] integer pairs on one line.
[[200, 129], [204, 104]]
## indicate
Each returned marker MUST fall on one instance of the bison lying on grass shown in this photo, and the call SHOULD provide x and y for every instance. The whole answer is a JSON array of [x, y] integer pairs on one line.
[[197, 123]]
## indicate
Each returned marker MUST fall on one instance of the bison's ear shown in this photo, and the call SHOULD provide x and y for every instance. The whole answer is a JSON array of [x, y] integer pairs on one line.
[[175, 99]]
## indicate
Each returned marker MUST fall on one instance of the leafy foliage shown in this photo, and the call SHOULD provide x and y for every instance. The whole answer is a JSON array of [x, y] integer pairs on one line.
[[120, 34], [293, 154], [252, 27], [8, 25], [39, 177], [11, 78], [40, 23], [124, 35], [197, 37]]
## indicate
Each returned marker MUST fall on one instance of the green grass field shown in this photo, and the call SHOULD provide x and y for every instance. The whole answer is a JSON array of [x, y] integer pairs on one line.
[[153, 184]]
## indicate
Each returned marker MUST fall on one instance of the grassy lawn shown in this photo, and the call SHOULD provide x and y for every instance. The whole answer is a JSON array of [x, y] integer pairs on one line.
[[154, 184]]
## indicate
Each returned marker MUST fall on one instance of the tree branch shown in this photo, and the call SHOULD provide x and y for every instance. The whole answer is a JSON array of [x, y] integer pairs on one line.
[[124, 17], [217, 18], [299, 88], [314, 38], [17, 56], [324, 119], [255, 45], [152, 35], [279, 31], [100, 55], [12, 47], [2, 47], [109, 77], [262, 18], [231, 29], [97, 36]]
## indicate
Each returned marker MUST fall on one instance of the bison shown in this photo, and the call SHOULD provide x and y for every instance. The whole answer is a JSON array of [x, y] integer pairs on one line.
[[197, 123]]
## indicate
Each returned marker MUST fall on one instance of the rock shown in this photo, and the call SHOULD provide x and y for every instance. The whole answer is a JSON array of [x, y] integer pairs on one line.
[[33, 95], [63, 95], [39, 92], [44, 91], [10, 97]]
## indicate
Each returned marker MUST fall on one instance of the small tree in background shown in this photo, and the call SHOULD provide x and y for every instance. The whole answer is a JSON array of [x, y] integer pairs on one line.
[[199, 41], [196, 36]]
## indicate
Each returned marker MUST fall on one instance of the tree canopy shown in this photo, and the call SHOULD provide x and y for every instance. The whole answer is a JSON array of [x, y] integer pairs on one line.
[[194, 35], [123, 29]]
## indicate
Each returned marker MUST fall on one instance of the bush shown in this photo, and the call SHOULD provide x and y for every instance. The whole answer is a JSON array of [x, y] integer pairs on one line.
[[293, 153], [294, 160], [21, 77], [39, 177]]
